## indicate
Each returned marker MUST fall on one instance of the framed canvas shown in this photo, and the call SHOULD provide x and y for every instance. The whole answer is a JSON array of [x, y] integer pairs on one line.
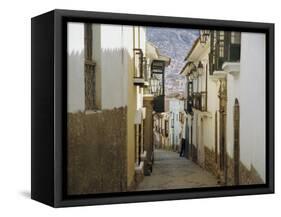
[[134, 108]]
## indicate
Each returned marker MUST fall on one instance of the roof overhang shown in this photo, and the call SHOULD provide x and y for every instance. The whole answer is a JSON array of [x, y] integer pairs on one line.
[[194, 55], [152, 53]]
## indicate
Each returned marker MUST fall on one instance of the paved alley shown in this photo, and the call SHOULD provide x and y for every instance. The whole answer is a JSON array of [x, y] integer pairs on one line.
[[172, 172]]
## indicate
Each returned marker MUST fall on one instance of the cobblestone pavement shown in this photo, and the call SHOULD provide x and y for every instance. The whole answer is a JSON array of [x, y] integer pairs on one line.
[[171, 171]]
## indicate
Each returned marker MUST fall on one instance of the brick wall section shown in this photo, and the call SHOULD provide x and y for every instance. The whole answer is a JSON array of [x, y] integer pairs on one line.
[[96, 152]]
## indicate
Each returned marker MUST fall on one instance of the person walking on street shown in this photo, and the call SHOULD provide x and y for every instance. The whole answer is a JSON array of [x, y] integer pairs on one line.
[[182, 152]]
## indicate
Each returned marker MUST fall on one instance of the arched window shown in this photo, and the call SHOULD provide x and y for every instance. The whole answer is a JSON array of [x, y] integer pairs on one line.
[[236, 149]]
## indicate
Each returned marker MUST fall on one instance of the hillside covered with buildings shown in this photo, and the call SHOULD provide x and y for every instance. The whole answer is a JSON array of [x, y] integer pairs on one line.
[[173, 43]]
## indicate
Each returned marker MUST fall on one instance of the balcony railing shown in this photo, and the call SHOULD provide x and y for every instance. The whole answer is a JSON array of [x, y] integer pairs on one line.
[[226, 49], [140, 72], [199, 101]]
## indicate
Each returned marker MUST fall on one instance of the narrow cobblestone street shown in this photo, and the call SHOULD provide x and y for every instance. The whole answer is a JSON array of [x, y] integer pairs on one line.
[[173, 172]]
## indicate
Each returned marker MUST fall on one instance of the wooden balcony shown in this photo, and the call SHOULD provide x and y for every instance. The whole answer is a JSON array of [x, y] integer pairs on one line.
[[223, 50], [199, 101], [196, 101], [188, 105], [159, 103], [140, 72]]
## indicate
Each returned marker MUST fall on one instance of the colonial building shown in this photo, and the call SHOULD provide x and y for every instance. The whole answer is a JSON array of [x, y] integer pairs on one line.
[[169, 126], [176, 122], [161, 130], [109, 115], [226, 105]]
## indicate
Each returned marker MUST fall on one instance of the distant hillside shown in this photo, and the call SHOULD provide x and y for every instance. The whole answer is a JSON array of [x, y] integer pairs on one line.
[[174, 43]]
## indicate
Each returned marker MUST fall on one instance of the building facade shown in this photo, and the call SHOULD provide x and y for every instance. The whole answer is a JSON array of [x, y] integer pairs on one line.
[[225, 72], [176, 122], [161, 130], [108, 133]]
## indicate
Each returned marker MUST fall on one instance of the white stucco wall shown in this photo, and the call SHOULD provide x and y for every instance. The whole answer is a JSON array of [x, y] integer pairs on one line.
[[205, 122], [116, 43], [112, 53], [249, 88], [209, 121], [208, 128], [75, 67]]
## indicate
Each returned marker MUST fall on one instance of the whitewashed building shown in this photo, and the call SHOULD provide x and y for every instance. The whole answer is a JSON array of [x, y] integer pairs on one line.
[[161, 130], [106, 79], [176, 122], [226, 105]]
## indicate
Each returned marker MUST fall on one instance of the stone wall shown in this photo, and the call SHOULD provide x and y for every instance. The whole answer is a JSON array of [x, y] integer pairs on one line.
[[246, 176], [249, 176], [97, 152], [210, 161]]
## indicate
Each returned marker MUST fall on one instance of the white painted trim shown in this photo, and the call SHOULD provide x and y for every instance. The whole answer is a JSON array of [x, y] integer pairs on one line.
[[217, 75], [232, 68], [138, 116]]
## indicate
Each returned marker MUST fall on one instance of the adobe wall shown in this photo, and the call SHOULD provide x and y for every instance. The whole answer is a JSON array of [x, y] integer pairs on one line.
[[97, 151]]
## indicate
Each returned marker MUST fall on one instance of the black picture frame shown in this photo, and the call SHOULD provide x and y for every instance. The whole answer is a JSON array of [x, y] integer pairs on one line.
[[48, 69]]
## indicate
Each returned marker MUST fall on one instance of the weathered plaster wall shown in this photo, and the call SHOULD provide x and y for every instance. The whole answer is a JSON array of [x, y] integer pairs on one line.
[[97, 153]]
